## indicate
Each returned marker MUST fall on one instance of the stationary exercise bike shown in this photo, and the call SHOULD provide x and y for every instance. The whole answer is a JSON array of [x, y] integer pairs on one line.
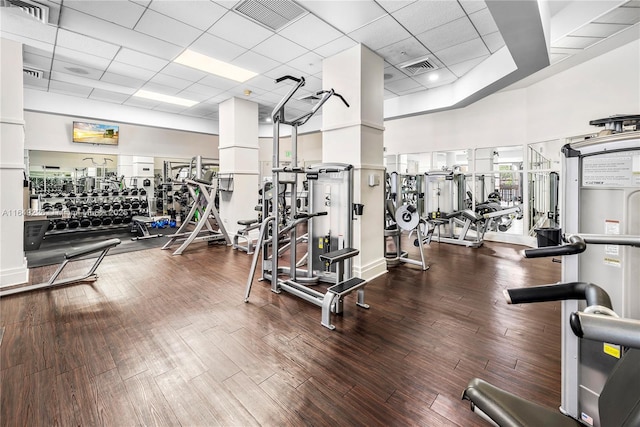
[[619, 398]]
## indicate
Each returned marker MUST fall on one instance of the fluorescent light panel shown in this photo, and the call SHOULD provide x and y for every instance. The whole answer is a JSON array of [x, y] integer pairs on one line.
[[165, 98], [210, 65]]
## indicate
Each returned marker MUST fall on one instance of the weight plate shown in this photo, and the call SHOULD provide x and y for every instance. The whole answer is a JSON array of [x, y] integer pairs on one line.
[[406, 219]]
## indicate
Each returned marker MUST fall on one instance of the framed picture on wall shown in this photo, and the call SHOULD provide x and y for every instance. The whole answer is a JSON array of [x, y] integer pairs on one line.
[[95, 133]]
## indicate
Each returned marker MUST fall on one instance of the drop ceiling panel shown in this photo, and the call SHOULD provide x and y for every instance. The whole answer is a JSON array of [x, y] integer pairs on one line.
[[130, 70], [37, 61], [403, 51], [450, 34], [313, 83], [484, 22], [463, 68], [445, 77], [33, 83], [217, 48], [471, 6], [280, 49], [462, 52], [26, 41], [241, 31], [169, 108], [494, 41], [105, 95], [36, 51], [255, 62], [336, 46], [346, 16], [141, 102], [599, 30], [183, 72], [410, 91], [157, 25], [121, 12], [570, 42], [63, 67], [160, 88], [69, 89], [421, 16], [309, 63], [86, 44], [91, 83], [392, 73], [310, 32], [269, 98], [622, 15], [174, 82], [98, 29], [393, 5], [83, 59], [192, 94], [218, 82], [402, 85], [262, 81], [199, 14], [141, 60], [125, 81], [204, 90], [380, 33], [14, 21]]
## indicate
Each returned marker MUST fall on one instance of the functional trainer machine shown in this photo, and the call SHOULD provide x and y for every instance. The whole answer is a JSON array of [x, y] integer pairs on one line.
[[328, 221]]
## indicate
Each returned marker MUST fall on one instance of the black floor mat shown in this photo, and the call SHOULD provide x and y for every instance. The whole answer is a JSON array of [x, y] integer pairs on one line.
[[53, 247]]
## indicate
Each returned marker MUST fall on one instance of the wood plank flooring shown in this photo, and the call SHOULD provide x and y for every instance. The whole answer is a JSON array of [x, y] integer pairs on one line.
[[167, 341]]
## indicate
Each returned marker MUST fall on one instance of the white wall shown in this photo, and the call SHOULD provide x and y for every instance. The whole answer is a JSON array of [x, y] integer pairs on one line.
[[558, 107], [51, 132]]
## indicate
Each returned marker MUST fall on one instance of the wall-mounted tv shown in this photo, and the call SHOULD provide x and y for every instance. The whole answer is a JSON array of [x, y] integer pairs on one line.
[[95, 133]]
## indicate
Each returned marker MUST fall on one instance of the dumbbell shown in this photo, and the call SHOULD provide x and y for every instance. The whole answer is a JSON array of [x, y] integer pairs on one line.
[[117, 220], [135, 204], [126, 205], [126, 219], [143, 192], [106, 207], [105, 193], [61, 224], [51, 226], [116, 206], [71, 195], [96, 221], [144, 204], [95, 207], [107, 220], [134, 192], [73, 223], [84, 207], [94, 194], [85, 222], [115, 193], [125, 192], [58, 206], [47, 207], [83, 194]]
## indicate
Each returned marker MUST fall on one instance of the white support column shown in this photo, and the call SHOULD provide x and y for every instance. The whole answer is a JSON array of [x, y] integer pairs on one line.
[[355, 135], [13, 264], [238, 147]]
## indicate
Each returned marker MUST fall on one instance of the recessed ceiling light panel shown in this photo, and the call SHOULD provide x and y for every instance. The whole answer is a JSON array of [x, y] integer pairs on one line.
[[164, 98], [211, 65]]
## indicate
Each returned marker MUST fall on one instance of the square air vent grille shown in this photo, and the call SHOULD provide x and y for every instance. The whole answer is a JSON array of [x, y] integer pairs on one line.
[[273, 14], [33, 72], [418, 66], [31, 8]]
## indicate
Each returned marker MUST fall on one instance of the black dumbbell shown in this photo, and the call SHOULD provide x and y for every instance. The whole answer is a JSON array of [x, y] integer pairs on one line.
[[117, 220], [51, 225], [126, 219], [61, 224], [85, 222], [107, 220], [144, 204], [125, 192], [96, 221], [106, 207], [114, 193], [134, 192], [116, 206], [135, 204], [143, 192], [73, 223]]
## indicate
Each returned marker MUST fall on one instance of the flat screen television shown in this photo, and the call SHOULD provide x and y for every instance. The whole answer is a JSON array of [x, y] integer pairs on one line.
[[95, 133]]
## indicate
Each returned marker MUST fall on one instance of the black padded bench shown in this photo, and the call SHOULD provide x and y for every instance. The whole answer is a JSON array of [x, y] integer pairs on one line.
[[243, 233], [70, 256]]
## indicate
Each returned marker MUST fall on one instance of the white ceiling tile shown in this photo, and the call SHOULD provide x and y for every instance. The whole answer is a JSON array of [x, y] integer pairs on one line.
[[344, 15], [14, 21], [402, 84], [269, 98], [143, 3], [421, 16], [335, 46], [403, 51], [494, 41], [141, 102], [471, 6], [69, 89], [483, 22], [570, 42], [462, 52], [157, 25], [313, 83], [239, 30], [91, 83], [84, 71], [599, 30], [388, 94], [280, 49], [120, 12], [193, 94], [160, 88], [463, 68], [142, 60], [621, 15], [450, 34], [170, 108], [380, 33], [86, 44], [393, 5], [209, 91], [199, 14], [255, 62], [310, 32], [130, 71], [264, 82], [80, 58], [36, 51], [105, 95], [218, 82], [410, 91], [171, 81], [217, 48], [444, 77], [93, 27], [125, 81], [309, 63], [392, 74], [183, 72], [25, 41], [37, 61], [34, 83]]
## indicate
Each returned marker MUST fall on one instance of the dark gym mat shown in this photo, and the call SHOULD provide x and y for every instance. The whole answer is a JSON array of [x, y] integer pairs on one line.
[[53, 247]]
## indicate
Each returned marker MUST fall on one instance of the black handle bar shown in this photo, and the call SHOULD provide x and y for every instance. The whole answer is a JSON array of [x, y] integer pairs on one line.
[[309, 215], [287, 77], [576, 246], [606, 328], [320, 92], [593, 294]]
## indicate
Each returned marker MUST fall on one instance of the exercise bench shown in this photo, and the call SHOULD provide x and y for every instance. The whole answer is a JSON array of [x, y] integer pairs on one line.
[[70, 256], [243, 233]]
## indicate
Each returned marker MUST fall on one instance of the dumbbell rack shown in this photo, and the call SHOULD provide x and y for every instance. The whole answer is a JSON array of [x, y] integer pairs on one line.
[[70, 213]]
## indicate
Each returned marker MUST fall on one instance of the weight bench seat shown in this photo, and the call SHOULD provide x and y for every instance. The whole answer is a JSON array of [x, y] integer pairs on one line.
[[247, 221], [89, 249], [339, 255], [346, 287], [509, 410]]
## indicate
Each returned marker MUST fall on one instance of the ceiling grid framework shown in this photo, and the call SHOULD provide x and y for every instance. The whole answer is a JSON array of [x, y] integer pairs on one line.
[[108, 50]]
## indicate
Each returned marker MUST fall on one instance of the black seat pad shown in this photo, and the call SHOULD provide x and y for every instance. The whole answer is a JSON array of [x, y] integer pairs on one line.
[[509, 410]]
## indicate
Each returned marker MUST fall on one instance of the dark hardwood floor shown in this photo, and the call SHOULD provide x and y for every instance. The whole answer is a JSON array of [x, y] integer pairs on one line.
[[167, 340]]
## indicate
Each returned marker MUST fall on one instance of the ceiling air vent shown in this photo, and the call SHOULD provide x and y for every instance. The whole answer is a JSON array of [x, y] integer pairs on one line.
[[33, 72], [31, 8], [418, 66], [273, 14]]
